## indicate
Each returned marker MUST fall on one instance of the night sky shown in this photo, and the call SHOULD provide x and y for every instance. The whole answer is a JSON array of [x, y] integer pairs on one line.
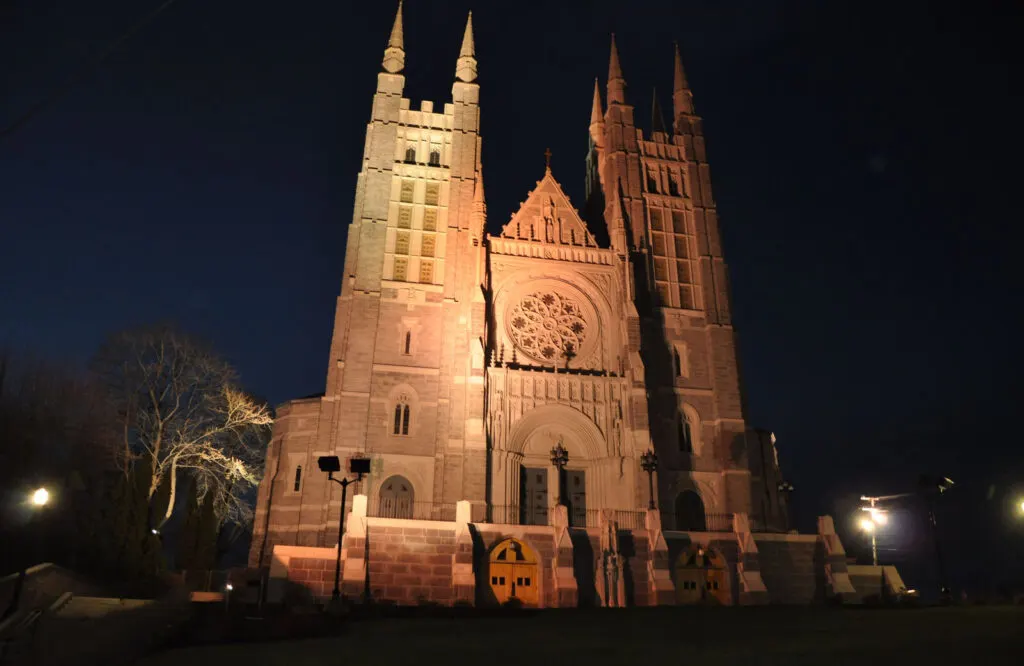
[[865, 158]]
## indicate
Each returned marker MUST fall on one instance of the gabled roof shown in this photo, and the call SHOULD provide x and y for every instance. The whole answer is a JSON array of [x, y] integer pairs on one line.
[[547, 216]]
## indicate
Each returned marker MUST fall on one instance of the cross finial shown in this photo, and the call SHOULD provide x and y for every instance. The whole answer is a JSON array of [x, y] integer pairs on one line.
[[547, 158]]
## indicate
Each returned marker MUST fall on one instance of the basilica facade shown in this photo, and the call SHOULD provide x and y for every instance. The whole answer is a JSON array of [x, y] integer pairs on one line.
[[460, 359]]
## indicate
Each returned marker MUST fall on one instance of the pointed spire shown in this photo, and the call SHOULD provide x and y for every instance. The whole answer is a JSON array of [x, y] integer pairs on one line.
[[394, 54], [657, 120], [479, 214], [614, 68], [465, 68], [596, 113], [616, 82], [682, 98]]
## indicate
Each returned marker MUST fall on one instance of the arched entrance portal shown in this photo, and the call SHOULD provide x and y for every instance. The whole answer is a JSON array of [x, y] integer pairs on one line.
[[396, 498], [702, 576], [513, 571], [690, 512]]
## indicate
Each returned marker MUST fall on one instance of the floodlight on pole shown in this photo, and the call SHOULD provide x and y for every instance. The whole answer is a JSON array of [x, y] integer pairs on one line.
[[356, 465], [40, 497], [867, 525]]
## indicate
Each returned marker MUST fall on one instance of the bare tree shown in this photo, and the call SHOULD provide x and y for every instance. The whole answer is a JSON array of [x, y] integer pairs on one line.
[[181, 412]]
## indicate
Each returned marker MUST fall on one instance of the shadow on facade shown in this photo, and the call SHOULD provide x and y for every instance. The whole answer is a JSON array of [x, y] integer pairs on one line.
[[583, 568]]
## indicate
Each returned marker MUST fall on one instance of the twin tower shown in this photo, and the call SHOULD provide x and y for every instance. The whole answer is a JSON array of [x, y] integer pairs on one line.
[[459, 359]]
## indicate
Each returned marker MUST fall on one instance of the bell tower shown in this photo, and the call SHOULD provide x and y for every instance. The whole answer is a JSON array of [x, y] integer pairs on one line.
[[409, 322], [658, 205]]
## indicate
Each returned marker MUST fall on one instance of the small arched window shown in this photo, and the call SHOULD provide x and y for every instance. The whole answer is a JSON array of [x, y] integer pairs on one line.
[[435, 156], [685, 434], [298, 479], [401, 426], [410, 155], [677, 366], [407, 346]]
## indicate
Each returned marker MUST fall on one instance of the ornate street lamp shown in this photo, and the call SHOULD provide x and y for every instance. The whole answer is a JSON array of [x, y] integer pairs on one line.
[[560, 458], [649, 463], [359, 467]]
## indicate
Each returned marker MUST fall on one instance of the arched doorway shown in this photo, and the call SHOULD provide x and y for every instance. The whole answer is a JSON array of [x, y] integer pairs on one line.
[[513, 572], [702, 576], [396, 498], [690, 515]]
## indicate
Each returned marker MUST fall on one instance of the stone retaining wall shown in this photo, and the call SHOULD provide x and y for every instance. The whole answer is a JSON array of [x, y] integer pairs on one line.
[[413, 562]]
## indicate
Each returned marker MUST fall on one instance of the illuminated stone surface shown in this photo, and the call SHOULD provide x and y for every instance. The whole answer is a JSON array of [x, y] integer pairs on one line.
[[459, 359]]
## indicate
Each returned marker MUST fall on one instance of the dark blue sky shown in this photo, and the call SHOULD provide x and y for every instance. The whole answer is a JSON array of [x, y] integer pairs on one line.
[[865, 158]]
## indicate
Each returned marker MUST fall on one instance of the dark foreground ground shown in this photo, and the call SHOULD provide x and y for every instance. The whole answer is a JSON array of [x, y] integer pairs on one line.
[[706, 636]]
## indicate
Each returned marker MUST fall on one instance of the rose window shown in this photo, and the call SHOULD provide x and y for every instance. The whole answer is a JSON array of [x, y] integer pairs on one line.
[[547, 327]]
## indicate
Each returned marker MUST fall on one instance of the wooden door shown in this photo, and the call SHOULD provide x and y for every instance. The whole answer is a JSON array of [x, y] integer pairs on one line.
[[534, 496], [513, 573]]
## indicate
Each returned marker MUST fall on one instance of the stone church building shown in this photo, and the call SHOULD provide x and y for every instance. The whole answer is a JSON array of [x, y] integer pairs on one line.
[[460, 360]]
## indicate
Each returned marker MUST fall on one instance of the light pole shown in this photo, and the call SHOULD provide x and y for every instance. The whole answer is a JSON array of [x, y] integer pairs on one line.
[[559, 458], [939, 485], [357, 466], [876, 517], [649, 463], [785, 490], [38, 499]]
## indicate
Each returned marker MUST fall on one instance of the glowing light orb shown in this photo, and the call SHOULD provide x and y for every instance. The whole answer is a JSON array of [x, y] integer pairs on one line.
[[40, 497]]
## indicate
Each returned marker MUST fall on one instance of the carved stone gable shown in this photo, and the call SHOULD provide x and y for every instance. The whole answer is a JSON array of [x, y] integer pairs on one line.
[[547, 216]]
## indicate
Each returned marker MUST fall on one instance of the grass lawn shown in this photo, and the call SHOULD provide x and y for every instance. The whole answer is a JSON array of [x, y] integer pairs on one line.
[[974, 636]]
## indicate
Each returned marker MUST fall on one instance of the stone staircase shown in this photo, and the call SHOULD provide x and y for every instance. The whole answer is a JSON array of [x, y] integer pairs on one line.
[[90, 631], [792, 570]]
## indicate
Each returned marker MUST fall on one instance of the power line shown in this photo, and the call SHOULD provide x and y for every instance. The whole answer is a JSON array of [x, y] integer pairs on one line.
[[77, 75]]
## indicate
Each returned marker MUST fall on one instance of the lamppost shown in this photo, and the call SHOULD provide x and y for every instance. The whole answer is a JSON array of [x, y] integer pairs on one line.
[[38, 499], [649, 463], [357, 466], [785, 490], [939, 485], [559, 458], [876, 517]]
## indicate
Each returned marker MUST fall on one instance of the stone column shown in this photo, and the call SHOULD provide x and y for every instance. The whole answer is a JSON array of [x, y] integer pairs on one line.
[[463, 580], [355, 549]]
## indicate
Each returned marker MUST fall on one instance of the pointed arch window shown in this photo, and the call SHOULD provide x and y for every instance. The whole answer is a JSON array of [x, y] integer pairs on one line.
[[407, 343], [652, 181], [410, 155], [680, 359], [685, 434], [297, 485], [402, 414], [673, 184], [435, 154]]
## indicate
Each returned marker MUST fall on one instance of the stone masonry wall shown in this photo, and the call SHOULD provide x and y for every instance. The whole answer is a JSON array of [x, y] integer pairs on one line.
[[410, 564]]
